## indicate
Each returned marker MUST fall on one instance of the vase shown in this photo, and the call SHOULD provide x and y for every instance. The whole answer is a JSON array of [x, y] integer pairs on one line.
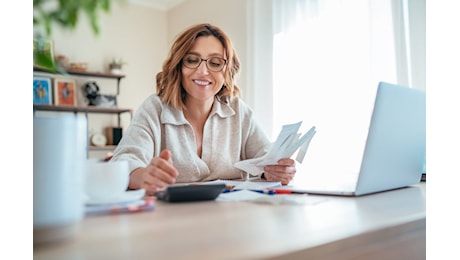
[[115, 69]]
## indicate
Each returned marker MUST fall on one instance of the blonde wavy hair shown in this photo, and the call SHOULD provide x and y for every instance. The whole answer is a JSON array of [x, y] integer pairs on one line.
[[169, 80]]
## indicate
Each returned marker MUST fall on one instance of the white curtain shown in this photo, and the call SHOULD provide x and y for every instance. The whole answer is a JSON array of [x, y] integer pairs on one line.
[[328, 57]]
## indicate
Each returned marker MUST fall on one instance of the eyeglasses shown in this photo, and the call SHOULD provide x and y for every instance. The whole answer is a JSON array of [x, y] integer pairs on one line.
[[193, 61]]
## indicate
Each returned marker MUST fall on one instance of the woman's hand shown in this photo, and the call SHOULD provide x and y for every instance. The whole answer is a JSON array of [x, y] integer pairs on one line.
[[156, 176], [284, 171]]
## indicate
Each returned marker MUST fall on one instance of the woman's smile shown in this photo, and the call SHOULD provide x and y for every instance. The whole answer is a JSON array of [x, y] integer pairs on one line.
[[202, 82]]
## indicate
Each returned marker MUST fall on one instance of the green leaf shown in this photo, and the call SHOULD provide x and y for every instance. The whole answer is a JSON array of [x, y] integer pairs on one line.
[[67, 13]]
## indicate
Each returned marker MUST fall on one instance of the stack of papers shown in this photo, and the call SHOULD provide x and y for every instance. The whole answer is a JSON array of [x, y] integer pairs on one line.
[[286, 144]]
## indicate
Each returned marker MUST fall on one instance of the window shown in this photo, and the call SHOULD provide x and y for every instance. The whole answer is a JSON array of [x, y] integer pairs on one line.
[[328, 57]]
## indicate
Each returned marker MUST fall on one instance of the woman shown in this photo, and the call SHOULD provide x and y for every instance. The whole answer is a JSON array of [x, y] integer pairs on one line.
[[196, 127]]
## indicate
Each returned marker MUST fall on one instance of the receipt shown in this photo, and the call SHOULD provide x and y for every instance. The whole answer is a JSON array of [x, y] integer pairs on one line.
[[285, 145]]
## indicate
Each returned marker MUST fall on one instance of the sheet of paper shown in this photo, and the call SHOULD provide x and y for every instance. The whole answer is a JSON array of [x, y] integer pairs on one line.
[[285, 145], [243, 195], [247, 184], [255, 197]]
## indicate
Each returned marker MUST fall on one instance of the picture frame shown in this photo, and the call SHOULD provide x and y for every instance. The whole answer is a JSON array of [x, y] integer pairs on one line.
[[65, 92], [42, 90], [44, 53]]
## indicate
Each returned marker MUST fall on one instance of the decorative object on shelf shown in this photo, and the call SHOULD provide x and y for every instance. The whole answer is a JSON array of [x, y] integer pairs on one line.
[[62, 61], [116, 66], [42, 90], [98, 140], [44, 53], [78, 66], [95, 99], [91, 90], [114, 135], [64, 91]]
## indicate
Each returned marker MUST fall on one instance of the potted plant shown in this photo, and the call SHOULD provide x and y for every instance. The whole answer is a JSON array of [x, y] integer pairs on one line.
[[116, 66]]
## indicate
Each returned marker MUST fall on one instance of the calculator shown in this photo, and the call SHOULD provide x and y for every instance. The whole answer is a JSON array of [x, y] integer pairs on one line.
[[191, 192]]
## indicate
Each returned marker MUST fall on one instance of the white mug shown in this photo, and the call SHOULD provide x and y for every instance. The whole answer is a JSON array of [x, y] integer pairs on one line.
[[59, 145], [105, 180]]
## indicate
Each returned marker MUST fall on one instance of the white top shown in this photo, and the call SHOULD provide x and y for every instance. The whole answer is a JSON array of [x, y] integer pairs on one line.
[[230, 134]]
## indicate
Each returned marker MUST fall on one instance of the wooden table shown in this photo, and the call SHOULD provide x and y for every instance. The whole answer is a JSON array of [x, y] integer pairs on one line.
[[387, 225]]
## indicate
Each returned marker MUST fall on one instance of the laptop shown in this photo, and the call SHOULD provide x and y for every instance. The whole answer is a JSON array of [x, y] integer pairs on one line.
[[394, 149]]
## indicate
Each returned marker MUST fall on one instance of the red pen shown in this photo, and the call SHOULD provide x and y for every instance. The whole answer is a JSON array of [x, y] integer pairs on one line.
[[285, 191]]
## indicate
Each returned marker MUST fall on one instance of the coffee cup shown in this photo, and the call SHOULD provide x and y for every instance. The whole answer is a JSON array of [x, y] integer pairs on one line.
[[105, 180]]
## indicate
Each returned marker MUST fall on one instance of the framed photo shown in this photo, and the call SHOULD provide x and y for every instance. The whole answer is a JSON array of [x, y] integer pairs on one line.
[[43, 53], [42, 91], [65, 92]]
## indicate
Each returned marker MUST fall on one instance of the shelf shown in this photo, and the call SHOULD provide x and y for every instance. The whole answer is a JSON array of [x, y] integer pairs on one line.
[[82, 109], [82, 73]]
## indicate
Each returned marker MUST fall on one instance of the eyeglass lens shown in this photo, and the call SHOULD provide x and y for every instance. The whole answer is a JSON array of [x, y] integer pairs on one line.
[[193, 61]]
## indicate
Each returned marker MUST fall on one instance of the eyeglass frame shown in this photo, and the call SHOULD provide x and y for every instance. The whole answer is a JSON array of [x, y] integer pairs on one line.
[[206, 62]]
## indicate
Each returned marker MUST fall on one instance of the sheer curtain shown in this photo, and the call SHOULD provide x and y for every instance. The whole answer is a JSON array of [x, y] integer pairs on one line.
[[328, 57]]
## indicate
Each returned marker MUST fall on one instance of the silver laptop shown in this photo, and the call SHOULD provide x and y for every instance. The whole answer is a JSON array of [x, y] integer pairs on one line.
[[394, 150]]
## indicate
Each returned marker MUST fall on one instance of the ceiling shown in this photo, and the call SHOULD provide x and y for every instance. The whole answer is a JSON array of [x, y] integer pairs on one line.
[[158, 4]]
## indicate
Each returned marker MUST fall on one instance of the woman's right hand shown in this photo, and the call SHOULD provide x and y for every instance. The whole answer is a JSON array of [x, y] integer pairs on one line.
[[156, 176]]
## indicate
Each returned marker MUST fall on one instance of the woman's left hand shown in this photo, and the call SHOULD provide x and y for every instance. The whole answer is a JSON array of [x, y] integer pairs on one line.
[[284, 171]]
